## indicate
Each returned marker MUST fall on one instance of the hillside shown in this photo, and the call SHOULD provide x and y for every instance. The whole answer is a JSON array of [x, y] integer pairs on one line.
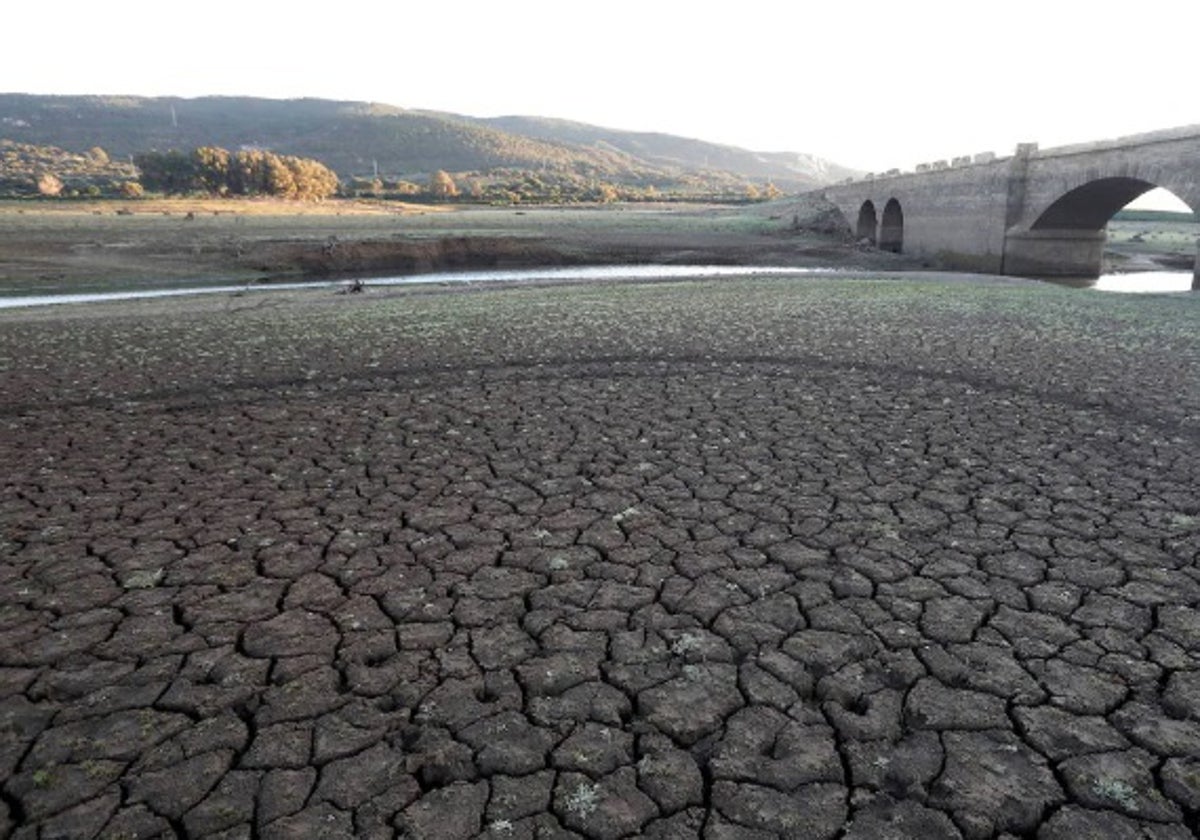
[[792, 170], [357, 139]]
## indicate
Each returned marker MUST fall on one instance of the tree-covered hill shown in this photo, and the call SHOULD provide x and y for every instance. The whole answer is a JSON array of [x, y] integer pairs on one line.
[[788, 169], [366, 139]]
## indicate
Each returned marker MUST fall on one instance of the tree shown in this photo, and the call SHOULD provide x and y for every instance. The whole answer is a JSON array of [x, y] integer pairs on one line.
[[280, 178], [167, 172], [441, 185], [212, 169], [311, 179], [249, 172], [49, 184]]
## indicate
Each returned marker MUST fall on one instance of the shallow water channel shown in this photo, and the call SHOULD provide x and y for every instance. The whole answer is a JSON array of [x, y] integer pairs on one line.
[[1145, 282]]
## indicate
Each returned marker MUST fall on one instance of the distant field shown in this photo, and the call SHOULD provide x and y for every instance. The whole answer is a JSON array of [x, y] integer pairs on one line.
[[1152, 239], [1154, 216]]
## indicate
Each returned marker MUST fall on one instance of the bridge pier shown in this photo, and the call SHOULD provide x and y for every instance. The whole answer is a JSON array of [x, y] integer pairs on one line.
[[1196, 269], [1054, 253]]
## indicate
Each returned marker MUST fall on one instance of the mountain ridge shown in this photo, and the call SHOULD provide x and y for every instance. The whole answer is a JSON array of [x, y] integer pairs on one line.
[[377, 139]]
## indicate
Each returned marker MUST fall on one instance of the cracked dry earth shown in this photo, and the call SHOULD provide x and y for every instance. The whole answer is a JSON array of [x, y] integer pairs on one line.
[[738, 559]]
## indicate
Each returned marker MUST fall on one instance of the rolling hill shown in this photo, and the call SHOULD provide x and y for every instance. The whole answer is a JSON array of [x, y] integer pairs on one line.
[[365, 139]]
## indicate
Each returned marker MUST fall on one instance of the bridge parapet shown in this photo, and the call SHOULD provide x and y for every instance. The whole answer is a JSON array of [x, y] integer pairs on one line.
[[1128, 142]]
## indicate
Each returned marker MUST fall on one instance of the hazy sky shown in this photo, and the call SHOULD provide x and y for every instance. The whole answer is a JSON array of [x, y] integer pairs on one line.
[[872, 85]]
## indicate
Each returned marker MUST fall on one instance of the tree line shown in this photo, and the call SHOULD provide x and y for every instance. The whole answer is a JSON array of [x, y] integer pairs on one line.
[[30, 170], [217, 171]]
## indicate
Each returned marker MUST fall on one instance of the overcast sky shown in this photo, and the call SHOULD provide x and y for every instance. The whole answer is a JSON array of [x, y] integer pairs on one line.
[[872, 85]]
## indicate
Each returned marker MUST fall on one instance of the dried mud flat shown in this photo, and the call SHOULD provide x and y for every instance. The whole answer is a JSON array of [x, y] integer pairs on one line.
[[739, 559]]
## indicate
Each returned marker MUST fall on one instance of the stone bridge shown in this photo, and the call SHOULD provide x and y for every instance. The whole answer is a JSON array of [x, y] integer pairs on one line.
[[1037, 213]]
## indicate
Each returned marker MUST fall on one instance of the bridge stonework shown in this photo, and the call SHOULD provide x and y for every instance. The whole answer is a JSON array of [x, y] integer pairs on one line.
[[1036, 213]]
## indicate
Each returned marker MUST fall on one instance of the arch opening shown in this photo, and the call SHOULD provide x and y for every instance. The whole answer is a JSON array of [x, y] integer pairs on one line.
[[1090, 206], [868, 222], [1103, 223], [1157, 233], [891, 234]]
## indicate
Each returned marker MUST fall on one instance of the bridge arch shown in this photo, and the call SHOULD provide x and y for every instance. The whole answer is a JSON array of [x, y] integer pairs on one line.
[[1090, 206], [868, 222], [891, 232], [1066, 229]]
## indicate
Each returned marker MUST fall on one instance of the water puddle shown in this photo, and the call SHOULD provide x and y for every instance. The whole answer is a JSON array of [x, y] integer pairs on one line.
[[1145, 282]]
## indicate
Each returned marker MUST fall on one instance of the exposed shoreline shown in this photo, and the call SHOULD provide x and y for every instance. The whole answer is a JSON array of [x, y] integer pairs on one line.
[[107, 244], [760, 557]]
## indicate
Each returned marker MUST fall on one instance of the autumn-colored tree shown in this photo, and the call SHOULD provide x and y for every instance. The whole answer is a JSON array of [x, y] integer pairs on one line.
[[311, 179], [441, 185], [212, 169], [249, 172], [49, 184]]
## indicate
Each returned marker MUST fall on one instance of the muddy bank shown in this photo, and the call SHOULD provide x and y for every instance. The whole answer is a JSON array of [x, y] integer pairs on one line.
[[360, 258]]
